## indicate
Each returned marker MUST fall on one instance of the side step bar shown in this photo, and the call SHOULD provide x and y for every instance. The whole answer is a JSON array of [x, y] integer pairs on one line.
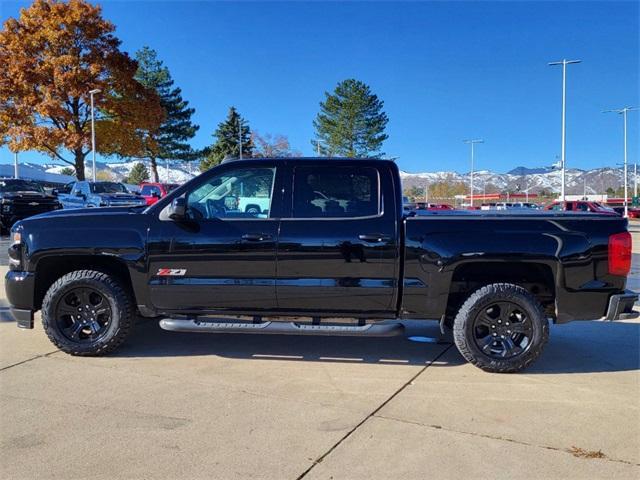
[[282, 328]]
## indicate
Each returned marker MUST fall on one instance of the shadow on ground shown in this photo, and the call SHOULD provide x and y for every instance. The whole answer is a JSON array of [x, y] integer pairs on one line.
[[579, 347]]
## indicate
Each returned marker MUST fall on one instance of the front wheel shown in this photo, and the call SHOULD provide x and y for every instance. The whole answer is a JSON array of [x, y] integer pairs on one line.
[[501, 328], [87, 313]]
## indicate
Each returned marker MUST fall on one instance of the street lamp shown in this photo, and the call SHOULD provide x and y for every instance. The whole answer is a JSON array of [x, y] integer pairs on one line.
[[623, 112], [15, 164], [93, 132], [472, 142], [564, 64]]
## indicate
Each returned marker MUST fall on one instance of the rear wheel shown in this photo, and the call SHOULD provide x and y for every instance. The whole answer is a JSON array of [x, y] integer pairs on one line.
[[501, 328], [87, 313]]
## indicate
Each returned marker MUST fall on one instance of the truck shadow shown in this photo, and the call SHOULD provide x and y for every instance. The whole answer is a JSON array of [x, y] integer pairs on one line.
[[579, 347]]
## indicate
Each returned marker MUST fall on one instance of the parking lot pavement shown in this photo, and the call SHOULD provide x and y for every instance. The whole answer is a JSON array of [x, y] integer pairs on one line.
[[172, 405]]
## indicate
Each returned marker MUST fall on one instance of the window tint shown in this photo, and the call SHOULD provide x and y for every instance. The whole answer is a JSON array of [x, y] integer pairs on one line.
[[239, 193], [108, 187], [335, 192]]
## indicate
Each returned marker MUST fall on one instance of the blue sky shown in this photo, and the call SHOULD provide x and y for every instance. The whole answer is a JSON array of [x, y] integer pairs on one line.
[[445, 70]]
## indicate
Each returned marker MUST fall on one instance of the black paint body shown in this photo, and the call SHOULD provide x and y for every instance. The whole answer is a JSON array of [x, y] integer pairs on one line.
[[377, 267]]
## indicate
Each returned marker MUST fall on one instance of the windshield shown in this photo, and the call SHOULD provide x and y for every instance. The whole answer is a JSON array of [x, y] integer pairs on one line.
[[20, 186], [108, 187]]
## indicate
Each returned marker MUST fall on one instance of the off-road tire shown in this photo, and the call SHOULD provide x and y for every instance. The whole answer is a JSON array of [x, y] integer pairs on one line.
[[123, 313], [463, 326]]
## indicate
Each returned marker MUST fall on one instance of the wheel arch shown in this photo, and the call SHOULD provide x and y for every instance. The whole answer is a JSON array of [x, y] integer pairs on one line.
[[538, 278], [49, 269]]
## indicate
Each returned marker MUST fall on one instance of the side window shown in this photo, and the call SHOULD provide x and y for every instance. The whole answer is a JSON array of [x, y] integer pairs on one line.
[[342, 192], [84, 188], [238, 193]]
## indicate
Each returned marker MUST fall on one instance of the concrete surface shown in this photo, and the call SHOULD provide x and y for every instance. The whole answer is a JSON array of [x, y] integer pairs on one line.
[[186, 406]]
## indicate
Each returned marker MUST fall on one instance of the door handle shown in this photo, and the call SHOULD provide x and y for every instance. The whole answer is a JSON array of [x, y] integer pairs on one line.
[[373, 237], [256, 237]]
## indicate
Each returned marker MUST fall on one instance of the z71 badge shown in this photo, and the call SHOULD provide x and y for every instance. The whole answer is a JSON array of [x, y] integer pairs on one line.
[[171, 272]]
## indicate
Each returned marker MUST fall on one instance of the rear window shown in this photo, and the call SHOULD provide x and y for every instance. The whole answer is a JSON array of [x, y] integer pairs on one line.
[[150, 190], [341, 192]]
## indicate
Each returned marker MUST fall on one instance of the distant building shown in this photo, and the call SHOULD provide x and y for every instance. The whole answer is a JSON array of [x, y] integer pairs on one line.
[[30, 173]]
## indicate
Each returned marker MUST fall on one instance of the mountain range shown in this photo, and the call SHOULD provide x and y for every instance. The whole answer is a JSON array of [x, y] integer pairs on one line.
[[535, 180]]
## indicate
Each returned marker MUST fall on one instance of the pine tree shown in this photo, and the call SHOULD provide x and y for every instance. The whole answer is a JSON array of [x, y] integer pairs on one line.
[[138, 174], [171, 140], [229, 135], [68, 171], [351, 122]]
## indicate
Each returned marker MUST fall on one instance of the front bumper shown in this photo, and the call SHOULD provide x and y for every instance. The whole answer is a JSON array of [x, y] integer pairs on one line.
[[621, 306], [19, 287]]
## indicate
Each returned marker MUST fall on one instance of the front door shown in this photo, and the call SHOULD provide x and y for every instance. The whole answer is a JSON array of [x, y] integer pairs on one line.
[[223, 259], [338, 247]]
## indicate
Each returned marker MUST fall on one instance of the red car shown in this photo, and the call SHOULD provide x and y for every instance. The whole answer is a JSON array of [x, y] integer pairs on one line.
[[433, 206], [152, 192], [580, 206]]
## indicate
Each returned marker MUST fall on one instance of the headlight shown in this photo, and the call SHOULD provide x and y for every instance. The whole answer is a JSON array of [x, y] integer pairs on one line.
[[16, 237]]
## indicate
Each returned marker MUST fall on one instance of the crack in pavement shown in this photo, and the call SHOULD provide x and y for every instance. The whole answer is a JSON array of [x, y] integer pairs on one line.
[[372, 414], [28, 360], [570, 451]]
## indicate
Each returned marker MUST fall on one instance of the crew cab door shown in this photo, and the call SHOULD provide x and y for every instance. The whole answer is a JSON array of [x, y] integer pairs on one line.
[[221, 258], [338, 249]]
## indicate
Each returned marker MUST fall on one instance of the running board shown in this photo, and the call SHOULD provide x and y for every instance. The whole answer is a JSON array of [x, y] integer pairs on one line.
[[282, 328]]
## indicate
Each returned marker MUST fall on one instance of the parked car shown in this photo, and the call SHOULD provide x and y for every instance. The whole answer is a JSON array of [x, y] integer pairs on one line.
[[193, 259], [83, 194], [433, 206], [580, 206], [20, 199], [632, 212], [152, 192]]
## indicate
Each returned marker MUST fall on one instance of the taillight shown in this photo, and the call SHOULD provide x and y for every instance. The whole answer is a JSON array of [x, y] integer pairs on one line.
[[620, 254]]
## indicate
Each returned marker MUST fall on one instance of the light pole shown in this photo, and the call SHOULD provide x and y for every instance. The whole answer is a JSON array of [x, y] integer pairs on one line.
[[564, 64], [93, 132], [472, 143], [623, 112], [15, 164]]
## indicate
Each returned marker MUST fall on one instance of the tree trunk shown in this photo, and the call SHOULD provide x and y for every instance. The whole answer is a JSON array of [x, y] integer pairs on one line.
[[154, 170], [79, 161]]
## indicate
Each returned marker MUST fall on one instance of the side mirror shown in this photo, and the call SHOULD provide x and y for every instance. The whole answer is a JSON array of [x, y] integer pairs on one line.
[[178, 209]]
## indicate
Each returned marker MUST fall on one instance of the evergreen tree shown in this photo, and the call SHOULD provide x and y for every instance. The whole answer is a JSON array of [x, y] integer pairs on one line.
[[138, 174], [171, 140], [351, 121], [229, 135], [68, 171]]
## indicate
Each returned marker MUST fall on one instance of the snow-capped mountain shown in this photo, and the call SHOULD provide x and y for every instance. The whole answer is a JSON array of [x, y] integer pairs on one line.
[[523, 179], [171, 172], [518, 179]]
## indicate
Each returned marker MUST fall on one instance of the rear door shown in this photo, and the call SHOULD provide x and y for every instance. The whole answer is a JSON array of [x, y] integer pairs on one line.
[[338, 248]]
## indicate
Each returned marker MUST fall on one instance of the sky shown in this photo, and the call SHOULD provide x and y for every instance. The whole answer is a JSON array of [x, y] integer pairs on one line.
[[446, 71]]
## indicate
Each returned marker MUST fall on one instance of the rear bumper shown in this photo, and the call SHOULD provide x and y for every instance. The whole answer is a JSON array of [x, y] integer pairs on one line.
[[621, 306]]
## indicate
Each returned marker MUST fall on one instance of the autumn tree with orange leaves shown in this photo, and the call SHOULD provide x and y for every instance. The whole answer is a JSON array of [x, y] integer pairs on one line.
[[51, 57]]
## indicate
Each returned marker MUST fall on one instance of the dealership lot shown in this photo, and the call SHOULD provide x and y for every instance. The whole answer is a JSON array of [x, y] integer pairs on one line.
[[173, 405]]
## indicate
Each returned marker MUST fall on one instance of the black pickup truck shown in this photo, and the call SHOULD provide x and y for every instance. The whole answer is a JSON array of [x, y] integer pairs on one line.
[[21, 199], [334, 253]]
